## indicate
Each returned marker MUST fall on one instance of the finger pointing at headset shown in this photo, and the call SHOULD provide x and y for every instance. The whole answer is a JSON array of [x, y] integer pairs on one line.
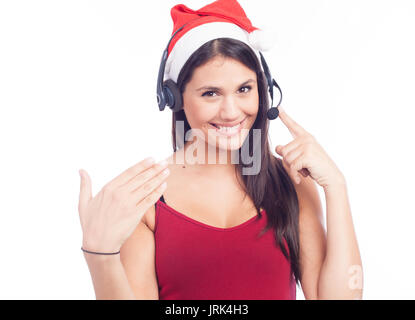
[[305, 155]]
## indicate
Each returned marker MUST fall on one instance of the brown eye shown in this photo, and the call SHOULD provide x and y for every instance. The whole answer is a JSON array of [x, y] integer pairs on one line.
[[208, 94], [248, 87]]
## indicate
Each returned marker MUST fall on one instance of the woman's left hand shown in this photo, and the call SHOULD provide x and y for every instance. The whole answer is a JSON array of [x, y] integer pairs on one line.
[[304, 155]]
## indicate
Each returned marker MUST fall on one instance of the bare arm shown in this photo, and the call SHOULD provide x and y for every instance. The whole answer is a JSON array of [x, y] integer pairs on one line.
[[341, 275], [130, 274], [331, 267], [108, 277], [138, 259]]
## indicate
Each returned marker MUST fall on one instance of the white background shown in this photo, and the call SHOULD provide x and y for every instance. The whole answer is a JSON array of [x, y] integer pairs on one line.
[[77, 90]]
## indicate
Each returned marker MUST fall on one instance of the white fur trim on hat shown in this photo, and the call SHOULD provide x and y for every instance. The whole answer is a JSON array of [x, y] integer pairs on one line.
[[262, 40], [196, 37]]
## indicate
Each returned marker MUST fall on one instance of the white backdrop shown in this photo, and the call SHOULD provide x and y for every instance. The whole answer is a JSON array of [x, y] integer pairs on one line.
[[77, 90]]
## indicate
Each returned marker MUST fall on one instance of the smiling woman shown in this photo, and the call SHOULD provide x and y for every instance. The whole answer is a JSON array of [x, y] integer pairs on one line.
[[224, 107], [223, 68], [220, 230], [229, 128], [207, 244]]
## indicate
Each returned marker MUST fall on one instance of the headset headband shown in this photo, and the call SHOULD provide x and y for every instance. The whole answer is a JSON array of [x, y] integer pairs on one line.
[[165, 96]]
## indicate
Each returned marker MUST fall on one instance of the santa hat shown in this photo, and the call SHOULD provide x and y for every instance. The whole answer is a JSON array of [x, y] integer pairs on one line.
[[219, 19]]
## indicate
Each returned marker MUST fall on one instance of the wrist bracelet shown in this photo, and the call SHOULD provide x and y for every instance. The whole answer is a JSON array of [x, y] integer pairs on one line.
[[98, 252]]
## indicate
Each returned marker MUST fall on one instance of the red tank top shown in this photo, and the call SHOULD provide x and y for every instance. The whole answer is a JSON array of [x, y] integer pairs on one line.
[[198, 261]]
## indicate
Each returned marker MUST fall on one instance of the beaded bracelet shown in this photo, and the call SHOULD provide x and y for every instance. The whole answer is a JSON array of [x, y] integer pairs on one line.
[[98, 252]]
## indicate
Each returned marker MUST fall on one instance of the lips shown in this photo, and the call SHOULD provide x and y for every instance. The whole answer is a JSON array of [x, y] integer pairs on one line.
[[226, 125], [228, 132]]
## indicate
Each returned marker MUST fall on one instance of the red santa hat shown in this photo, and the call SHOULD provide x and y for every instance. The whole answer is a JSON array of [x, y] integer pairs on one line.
[[219, 19]]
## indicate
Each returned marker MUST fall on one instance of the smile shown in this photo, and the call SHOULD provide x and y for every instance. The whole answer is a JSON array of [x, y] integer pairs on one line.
[[228, 131]]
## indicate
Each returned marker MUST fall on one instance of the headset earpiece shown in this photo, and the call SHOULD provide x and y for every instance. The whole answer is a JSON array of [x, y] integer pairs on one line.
[[173, 96], [167, 91]]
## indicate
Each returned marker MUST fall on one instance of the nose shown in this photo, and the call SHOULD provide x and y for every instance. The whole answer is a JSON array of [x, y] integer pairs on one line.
[[229, 110]]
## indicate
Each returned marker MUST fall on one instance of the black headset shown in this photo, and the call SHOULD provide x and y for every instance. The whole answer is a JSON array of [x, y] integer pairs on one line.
[[169, 94]]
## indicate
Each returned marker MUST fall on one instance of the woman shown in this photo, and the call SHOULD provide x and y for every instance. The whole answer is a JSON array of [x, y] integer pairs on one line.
[[216, 232]]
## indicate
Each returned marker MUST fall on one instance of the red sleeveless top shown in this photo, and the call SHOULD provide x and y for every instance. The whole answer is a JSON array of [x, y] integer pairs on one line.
[[196, 261]]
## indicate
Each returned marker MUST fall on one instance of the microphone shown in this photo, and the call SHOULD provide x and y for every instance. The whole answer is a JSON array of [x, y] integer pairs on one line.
[[273, 113]]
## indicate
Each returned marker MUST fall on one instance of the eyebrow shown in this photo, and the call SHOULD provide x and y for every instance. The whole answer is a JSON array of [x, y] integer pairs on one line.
[[218, 89]]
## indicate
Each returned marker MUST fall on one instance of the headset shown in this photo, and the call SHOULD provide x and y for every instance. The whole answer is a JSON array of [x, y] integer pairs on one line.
[[169, 94]]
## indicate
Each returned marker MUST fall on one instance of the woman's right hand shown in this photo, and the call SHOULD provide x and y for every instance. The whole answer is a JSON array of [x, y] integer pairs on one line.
[[109, 218]]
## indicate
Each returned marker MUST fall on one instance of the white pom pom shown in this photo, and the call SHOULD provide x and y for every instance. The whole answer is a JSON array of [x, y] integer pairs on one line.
[[262, 40]]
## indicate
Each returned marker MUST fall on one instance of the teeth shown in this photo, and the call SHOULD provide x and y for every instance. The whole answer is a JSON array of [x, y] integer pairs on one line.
[[228, 129]]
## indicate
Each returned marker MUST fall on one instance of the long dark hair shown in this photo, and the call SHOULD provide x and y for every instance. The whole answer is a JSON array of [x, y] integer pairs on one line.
[[272, 188]]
